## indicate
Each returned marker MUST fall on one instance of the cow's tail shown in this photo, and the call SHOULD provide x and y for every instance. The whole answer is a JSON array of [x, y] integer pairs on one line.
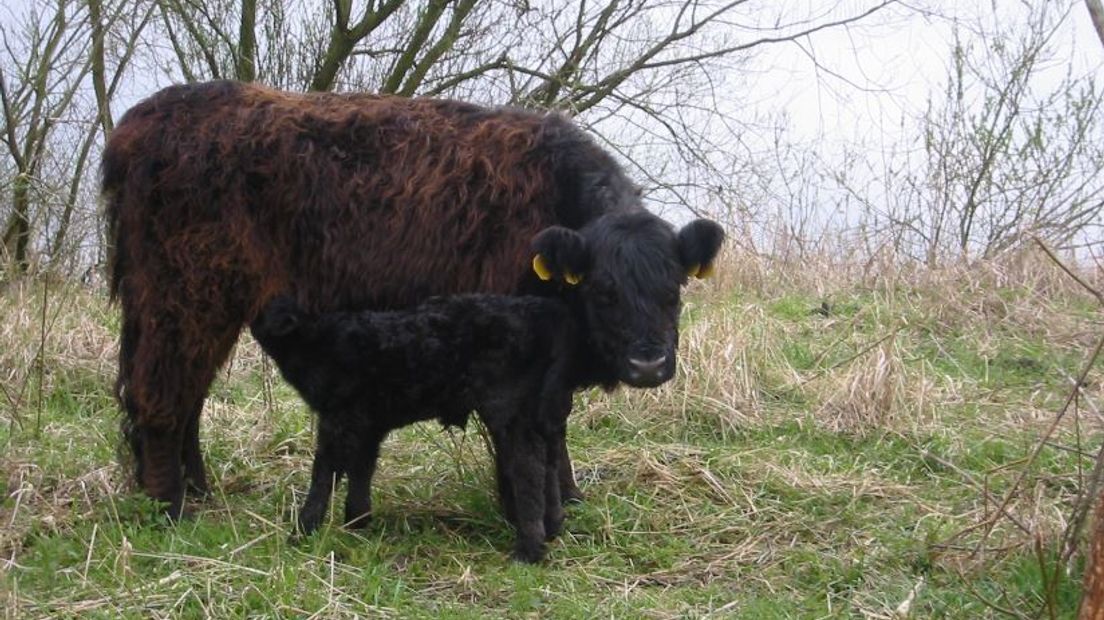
[[115, 169]]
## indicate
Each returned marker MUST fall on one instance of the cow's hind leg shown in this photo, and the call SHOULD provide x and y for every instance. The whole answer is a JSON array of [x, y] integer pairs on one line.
[[165, 371], [502, 477], [161, 475], [195, 477]]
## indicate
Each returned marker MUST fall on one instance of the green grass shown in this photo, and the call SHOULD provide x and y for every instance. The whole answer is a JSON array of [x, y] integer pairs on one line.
[[781, 475]]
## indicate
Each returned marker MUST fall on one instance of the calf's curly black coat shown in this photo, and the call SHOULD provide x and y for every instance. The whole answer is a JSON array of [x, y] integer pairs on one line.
[[513, 360]]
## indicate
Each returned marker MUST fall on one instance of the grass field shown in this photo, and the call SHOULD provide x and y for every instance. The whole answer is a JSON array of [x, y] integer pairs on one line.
[[839, 442]]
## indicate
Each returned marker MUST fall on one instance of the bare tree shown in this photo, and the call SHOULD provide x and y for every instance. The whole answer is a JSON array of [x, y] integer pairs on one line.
[[105, 91], [35, 91], [53, 118], [1001, 157]]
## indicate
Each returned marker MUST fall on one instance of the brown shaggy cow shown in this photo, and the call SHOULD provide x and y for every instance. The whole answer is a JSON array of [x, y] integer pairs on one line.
[[222, 195]]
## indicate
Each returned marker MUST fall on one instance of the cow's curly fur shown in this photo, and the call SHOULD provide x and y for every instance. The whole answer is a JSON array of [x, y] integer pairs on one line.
[[514, 360], [221, 195]]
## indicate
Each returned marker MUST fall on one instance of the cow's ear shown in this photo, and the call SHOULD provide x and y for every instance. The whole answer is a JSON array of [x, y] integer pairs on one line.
[[698, 244], [560, 254]]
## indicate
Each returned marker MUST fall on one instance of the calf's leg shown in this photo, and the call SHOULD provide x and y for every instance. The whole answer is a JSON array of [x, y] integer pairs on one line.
[[553, 506], [553, 409], [524, 454], [362, 465], [502, 476], [325, 473]]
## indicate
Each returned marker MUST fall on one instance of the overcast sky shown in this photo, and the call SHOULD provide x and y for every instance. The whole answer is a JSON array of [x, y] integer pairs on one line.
[[888, 66]]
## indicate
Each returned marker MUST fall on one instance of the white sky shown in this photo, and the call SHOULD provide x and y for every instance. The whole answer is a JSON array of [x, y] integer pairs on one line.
[[893, 62]]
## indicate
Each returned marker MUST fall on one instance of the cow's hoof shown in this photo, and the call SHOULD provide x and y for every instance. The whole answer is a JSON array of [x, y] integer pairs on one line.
[[197, 489], [175, 511]]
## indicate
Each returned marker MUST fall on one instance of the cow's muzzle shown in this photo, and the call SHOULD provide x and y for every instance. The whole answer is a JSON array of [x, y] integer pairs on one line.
[[649, 372]]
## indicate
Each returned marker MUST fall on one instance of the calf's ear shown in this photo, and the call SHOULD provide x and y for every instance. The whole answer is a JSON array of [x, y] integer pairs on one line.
[[280, 317], [560, 254], [698, 244]]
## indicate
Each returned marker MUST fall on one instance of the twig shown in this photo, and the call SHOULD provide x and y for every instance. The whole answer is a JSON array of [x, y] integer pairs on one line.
[[1081, 507], [988, 529], [1099, 296], [973, 481], [1050, 580], [1096, 477]]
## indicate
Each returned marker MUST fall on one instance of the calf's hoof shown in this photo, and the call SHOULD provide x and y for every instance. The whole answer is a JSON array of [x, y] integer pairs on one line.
[[571, 495], [528, 553], [553, 527], [308, 521]]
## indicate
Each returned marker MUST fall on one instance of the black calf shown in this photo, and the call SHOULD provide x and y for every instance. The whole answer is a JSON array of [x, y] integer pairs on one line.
[[508, 358], [515, 360]]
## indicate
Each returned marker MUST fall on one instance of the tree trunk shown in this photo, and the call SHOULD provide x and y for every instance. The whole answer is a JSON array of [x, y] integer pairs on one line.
[[99, 81], [337, 51], [247, 42], [344, 38], [17, 234]]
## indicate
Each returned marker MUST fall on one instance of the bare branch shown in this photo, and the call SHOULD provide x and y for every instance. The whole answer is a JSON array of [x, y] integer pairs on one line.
[[459, 13]]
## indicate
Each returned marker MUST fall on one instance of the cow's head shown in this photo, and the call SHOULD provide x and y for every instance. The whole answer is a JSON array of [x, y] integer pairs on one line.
[[624, 272]]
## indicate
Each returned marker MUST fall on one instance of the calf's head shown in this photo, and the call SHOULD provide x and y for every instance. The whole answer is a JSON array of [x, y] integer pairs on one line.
[[624, 273], [280, 317]]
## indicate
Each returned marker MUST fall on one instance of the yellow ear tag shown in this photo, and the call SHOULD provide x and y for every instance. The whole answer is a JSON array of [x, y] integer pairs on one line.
[[705, 271], [541, 268], [572, 278], [694, 270]]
